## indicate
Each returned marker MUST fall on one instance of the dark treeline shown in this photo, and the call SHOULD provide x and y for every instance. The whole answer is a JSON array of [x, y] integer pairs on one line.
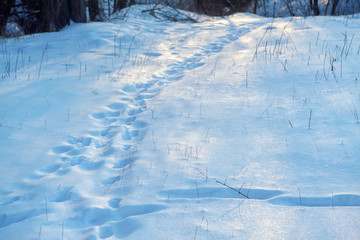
[[34, 16]]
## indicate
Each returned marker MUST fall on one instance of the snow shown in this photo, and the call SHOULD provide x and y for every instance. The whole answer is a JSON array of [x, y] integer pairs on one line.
[[240, 127]]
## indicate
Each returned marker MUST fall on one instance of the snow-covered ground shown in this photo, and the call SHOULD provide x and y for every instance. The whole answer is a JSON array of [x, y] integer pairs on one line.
[[232, 128]]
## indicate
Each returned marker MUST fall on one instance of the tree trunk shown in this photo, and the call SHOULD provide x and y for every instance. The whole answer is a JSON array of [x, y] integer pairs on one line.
[[4, 14], [333, 9], [62, 16], [255, 6], [316, 8], [46, 16], [54, 15], [78, 10], [199, 6], [94, 12], [119, 4]]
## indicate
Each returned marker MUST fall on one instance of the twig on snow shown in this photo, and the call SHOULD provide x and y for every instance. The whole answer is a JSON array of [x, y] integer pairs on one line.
[[224, 184]]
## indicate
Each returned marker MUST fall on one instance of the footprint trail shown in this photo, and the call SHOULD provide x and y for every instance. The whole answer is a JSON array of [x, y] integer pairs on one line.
[[108, 151]]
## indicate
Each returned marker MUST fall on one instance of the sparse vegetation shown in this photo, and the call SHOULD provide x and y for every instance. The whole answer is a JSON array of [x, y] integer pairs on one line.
[[203, 129]]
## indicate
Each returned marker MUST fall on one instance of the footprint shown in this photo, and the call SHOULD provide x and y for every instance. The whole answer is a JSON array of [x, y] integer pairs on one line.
[[140, 136], [127, 147], [77, 160], [8, 219], [80, 142], [125, 162], [108, 152], [126, 134], [115, 114], [9, 200], [111, 180], [134, 133], [133, 112], [62, 149], [145, 85], [145, 96], [90, 166], [62, 195], [86, 141], [171, 71], [83, 162], [99, 115], [5, 192], [91, 237], [91, 217], [117, 106], [35, 176], [106, 131], [129, 89], [50, 168], [75, 152], [194, 66], [62, 172], [114, 202], [139, 124], [152, 54], [152, 90], [106, 232], [175, 78], [156, 77], [128, 120], [121, 229], [109, 121], [141, 103]]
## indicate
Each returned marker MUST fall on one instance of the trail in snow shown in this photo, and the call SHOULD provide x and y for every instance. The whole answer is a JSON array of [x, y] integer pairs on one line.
[[83, 193], [107, 153]]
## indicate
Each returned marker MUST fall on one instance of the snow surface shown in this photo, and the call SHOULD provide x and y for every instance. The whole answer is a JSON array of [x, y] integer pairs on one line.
[[232, 128]]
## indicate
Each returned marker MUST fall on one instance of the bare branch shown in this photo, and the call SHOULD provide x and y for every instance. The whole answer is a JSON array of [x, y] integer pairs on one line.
[[242, 194]]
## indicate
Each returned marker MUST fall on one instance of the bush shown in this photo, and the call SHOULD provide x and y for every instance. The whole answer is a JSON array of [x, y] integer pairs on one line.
[[222, 7]]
